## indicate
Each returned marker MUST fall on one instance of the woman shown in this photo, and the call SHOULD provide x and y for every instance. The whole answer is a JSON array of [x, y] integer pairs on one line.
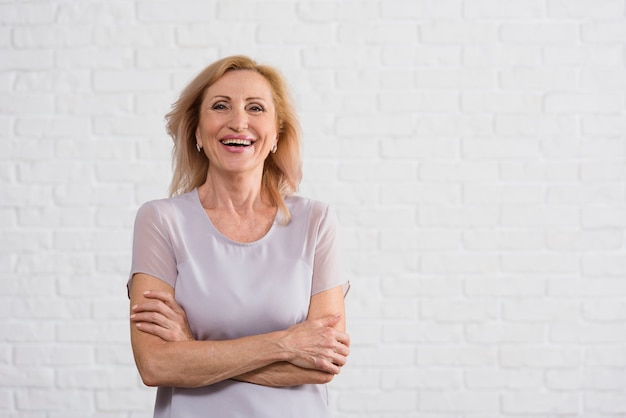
[[237, 302]]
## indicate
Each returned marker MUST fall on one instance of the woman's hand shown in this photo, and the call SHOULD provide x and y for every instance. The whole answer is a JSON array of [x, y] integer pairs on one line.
[[162, 316], [315, 344]]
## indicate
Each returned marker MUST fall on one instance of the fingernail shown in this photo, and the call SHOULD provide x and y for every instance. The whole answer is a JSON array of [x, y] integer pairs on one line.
[[147, 292], [132, 316]]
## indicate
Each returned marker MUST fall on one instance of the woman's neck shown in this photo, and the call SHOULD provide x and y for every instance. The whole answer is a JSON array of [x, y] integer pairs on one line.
[[238, 194]]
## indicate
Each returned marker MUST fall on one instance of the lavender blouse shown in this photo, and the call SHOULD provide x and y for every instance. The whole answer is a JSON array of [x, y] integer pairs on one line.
[[231, 289]]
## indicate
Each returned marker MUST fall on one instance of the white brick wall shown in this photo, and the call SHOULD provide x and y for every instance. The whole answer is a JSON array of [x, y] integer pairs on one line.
[[475, 151]]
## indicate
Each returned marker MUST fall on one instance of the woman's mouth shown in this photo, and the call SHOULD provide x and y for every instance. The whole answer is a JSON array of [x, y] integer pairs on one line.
[[236, 142]]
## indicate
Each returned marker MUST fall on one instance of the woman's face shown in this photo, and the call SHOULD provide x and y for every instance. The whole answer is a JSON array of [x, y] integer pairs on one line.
[[237, 127]]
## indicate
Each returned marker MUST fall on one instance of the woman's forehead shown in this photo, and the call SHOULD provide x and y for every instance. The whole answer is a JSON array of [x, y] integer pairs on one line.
[[241, 84]]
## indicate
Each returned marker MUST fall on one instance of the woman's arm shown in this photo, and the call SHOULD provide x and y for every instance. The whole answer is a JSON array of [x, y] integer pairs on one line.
[[323, 304], [313, 344]]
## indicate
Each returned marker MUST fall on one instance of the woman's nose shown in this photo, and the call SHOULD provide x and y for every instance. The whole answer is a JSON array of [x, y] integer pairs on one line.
[[239, 120]]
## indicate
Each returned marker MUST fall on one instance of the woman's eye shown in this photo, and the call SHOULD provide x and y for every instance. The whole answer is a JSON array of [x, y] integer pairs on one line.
[[219, 106], [256, 108]]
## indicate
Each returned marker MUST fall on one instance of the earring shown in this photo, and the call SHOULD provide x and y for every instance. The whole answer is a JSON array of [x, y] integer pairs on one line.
[[198, 147], [274, 148]]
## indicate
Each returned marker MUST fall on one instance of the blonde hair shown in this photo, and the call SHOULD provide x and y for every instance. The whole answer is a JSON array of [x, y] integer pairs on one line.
[[282, 170]]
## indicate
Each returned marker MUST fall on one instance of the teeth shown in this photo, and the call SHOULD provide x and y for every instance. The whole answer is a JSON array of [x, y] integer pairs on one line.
[[236, 142]]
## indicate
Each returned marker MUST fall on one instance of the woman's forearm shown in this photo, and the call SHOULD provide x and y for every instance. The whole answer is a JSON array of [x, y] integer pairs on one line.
[[282, 374], [202, 363]]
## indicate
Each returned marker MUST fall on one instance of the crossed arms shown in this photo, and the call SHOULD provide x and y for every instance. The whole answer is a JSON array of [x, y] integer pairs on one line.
[[166, 353]]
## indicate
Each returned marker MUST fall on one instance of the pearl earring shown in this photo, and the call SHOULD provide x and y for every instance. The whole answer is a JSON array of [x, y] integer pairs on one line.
[[274, 148], [198, 147]]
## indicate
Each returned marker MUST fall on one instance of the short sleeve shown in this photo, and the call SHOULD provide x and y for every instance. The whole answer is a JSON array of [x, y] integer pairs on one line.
[[327, 272], [153, 253]]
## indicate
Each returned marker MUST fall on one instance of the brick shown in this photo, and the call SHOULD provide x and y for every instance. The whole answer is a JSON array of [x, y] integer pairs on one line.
[[501, 102], [409, 56], [409, 333], [541, 310], [495, 379], [308, 33], [411, 286], [515, 9], [167, 11], [536, 402], [604, 32], [458, 32], [490, 333], [28, 13], [588, 334], [540, 263], [518, 125], [603, 125], [455, 356], [604, 310], [598, 287], [51, 127], [400, 148], [24, 377], [472, 78], [420, 9], [17, 104], [90, 57], [539, 172], [397, 401], [583, 56], [103, 13], [539, 33], [542, 79], [484, 194], [612, 402], [539, 215], [53, 355], [585, 103], [541, 357], [498, 56], [383, 33], [511, 287], [95, 378], [419, 101], [458, 216], [491, 240], [458, 311], [136, 80], [261, 11], [458, 264], [587, 240], [52, 36], [421, 379], [611, 355], [21, 60], [150, 58], [459, 401], [586, 9], [592, 194], [509, 149], [599, 80]]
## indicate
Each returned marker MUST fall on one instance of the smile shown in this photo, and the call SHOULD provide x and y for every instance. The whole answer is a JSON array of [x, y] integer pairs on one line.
[[237, 142]]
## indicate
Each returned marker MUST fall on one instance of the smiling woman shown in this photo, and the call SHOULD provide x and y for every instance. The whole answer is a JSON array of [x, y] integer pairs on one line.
[[237, 297], [282, 171]]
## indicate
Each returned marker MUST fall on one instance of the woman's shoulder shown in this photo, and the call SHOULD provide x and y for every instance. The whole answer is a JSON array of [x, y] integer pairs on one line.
[[302, 207], [169, 205]]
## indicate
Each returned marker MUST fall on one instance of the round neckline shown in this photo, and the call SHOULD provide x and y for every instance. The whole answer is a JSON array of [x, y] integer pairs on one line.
[[223, 237]]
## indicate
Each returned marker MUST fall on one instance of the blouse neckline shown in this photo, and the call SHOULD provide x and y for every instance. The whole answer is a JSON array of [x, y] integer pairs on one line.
[[223, 237]]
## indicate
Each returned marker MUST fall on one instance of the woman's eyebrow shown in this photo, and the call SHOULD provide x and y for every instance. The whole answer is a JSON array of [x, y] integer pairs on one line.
[[221, 96]]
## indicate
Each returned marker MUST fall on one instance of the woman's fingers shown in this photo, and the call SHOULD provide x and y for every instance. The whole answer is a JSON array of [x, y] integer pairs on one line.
[[315, 344], [162, 316]]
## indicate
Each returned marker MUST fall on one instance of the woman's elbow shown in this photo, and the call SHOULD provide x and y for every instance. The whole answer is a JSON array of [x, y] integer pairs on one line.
[[149, 373]]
